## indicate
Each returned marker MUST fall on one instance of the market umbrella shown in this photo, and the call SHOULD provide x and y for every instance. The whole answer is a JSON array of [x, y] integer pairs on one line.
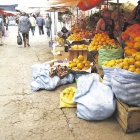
[[88, 4]]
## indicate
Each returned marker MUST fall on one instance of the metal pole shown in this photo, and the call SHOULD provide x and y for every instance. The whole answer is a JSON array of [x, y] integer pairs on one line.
[[107, 4], [120, 30], [54, 25], [51, 29], [71, 18], [77, 14]]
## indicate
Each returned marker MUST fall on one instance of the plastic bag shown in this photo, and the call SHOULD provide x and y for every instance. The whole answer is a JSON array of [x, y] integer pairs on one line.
[[126, 86], [95, 101], [108, 72], [19, 39], [66, 99], [109, 54]]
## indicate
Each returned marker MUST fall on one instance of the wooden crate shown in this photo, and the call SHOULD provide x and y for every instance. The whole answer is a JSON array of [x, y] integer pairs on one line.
[[128, 117], [59, 49], [62, 56], [75, 53]]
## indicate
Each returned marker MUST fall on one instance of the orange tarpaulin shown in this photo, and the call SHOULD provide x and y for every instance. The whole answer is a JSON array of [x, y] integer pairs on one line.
[[68, 3], [88, 4], [6, 13]]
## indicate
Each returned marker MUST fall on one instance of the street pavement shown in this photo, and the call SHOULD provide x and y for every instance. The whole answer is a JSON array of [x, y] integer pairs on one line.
[[27, 115]]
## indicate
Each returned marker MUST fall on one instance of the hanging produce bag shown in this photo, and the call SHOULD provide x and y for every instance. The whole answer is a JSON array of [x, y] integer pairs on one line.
[[109, 54], [126, 86], [66, 97]]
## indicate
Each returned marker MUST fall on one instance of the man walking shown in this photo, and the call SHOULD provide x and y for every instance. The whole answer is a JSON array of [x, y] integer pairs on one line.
[[40, 22], [33, 24], [48, 23]]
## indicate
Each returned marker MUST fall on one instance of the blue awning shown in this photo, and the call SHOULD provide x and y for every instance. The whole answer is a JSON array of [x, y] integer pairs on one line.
[[8, 7]]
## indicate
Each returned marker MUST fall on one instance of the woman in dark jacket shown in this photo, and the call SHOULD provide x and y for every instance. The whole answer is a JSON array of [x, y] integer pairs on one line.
[[24, 27]]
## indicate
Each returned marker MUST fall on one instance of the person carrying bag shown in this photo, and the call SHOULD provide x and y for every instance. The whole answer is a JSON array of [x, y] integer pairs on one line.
[[19, 39]]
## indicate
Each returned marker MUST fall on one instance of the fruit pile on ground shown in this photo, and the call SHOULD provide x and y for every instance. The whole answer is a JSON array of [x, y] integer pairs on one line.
[[100, 39], [131, 38], [79, 63], [131, 64], [78, 47], [69, 93], [75, 37]]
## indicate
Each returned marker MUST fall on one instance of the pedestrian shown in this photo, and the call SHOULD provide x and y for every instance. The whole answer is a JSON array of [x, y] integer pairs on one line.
[[33, 24], [24, 27], [106, 24], [6, 22], [48, 23], [1, 27], [40, 22]]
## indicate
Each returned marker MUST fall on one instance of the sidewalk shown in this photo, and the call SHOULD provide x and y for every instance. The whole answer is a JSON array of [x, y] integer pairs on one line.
[[27, 115]]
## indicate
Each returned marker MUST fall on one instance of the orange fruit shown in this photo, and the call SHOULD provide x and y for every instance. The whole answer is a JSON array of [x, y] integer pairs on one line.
[[74, 60], [120, 65], [80, 57], [137, 71], [137, 64], [80, 66], [125, 63], [137, 57], [131, 61], [132, 66], [125, 67], [131, 69]]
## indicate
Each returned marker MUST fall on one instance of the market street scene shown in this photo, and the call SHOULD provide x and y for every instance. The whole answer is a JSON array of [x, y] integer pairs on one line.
[[70, 70]]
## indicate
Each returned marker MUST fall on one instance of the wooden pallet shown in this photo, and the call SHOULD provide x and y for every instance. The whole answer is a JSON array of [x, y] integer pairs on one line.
[[128, 117], [75, 53]]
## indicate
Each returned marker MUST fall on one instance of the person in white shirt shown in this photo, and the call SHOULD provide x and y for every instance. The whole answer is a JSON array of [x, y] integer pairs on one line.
[[33, 24]]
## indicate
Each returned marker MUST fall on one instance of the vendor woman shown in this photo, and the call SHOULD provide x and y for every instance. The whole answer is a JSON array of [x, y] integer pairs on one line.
[[106, 24], [64, 33]]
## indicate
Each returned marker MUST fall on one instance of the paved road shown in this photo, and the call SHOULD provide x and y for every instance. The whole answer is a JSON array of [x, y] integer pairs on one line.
[[27, 115]]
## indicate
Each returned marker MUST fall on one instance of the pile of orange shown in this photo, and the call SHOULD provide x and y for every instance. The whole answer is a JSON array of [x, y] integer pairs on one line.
[[75, 37], [100, 39], [131, 64], [79, 63], [78, 47], [86, 34], [60, 39], [131, 38]]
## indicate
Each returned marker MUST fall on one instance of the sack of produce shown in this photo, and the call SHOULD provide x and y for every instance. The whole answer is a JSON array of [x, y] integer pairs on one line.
[[126, 86], [109, 54], [66, 97], [95, 101], [42, 79], [108, 72]]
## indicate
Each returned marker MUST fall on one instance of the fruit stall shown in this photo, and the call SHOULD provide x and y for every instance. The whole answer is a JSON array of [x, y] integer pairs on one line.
[[107, 72]]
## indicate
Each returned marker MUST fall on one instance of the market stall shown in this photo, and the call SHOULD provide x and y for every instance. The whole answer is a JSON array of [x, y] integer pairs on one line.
[[106, 69]]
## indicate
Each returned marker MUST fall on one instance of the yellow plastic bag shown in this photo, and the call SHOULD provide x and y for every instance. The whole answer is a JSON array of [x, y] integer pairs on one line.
[[66, 97]]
